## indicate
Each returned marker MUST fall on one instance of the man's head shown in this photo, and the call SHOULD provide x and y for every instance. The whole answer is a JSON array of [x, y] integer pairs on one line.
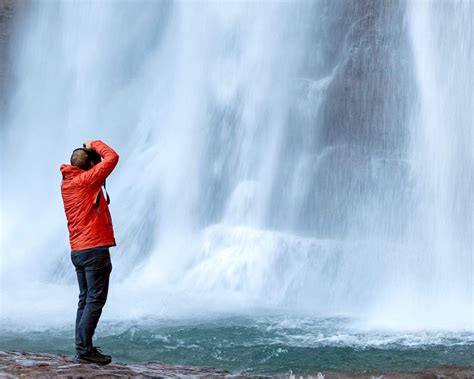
[[84, 158]]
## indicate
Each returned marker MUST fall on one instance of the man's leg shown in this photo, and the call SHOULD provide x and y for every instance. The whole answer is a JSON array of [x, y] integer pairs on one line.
[[81, 278], [78, 260], [97, 273]]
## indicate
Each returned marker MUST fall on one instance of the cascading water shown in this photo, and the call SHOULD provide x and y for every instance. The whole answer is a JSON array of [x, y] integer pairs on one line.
[[442, 153], [310, 158]]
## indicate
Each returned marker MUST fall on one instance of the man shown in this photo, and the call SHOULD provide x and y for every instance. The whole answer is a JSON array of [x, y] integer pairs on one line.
[[90, 235]]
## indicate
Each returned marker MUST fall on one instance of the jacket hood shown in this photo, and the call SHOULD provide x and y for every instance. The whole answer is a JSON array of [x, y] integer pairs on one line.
[[69, 171]]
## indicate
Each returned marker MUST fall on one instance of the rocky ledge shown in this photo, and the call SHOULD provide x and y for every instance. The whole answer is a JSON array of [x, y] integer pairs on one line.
[[14, 364]]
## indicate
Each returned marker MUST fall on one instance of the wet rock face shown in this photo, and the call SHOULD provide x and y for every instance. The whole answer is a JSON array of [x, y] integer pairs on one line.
[[374, 84], [6, 19], [347, 144]]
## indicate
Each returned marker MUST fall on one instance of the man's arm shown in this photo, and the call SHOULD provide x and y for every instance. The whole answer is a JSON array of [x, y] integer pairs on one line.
[[97, 174]]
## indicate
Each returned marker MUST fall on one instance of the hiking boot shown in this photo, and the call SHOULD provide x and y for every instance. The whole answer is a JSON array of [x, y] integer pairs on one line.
[[93, 355], [98, 352]]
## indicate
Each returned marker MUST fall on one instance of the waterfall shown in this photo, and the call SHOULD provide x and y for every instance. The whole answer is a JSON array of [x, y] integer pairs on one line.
[[310, 157], [442, 155]]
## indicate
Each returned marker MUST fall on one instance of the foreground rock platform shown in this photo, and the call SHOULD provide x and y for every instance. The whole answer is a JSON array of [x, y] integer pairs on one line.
[[15, 364]]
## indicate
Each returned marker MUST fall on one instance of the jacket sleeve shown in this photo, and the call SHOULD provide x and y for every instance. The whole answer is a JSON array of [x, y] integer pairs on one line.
[[97, 174]]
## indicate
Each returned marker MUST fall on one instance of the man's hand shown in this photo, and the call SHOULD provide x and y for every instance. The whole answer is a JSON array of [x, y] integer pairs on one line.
[[87, 145]]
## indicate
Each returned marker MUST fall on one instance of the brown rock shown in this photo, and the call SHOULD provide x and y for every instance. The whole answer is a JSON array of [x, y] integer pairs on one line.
[[14, 364]]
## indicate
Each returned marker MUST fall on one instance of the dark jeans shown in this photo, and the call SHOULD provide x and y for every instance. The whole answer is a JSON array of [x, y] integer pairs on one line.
[[93, 268]]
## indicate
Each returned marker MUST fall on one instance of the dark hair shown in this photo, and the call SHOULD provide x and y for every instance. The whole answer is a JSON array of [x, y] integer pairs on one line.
[[82, 158]]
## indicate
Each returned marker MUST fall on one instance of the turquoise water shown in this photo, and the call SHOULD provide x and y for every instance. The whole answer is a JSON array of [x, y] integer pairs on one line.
[[261, 344]]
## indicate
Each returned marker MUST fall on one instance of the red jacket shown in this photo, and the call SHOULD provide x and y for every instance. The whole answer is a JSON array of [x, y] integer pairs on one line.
[[89, 226]]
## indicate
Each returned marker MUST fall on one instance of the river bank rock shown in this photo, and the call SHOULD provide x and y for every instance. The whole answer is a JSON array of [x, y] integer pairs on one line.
[[15, 364]]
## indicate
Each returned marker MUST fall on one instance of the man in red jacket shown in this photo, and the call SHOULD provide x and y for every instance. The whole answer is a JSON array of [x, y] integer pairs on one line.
[[90, 235]]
